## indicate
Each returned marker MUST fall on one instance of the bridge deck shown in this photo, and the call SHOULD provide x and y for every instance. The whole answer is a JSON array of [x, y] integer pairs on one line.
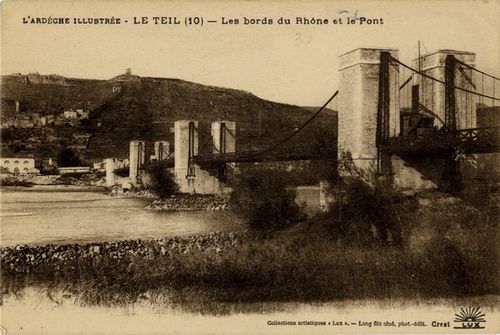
[[465, 141], [254, 156], [248, 157]]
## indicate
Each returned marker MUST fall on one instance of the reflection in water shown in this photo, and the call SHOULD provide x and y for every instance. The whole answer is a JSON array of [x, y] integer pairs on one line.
[[69, 217]]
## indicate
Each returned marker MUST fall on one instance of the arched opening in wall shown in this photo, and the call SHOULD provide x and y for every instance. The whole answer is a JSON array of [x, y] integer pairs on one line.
[[6, 162], [16, 162], [16, 171], [26, 162]]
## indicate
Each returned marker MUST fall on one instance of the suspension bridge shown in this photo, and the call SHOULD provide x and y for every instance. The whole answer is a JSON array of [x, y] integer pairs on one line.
[[387, 109]]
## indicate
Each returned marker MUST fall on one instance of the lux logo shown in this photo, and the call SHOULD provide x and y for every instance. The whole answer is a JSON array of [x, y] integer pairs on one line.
[[470, 318]]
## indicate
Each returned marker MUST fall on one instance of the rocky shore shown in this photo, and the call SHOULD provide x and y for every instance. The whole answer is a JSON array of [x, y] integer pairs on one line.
[[145, 194], [190, 202], [25, 258]]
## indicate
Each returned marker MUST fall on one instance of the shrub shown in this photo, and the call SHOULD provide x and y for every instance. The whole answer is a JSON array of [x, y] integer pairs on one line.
[[49, 170], [364, 208], [263, 199], [162, 182], [13, 181]]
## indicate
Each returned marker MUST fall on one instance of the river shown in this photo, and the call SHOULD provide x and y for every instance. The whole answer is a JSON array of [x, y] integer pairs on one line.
[[41, 217]]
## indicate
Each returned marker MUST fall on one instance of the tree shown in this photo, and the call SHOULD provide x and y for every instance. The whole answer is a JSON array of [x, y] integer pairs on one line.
[[162, 182], [67, 157]]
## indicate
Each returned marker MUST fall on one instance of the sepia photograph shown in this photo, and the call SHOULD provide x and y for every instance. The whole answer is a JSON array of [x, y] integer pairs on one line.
[[249, 167]]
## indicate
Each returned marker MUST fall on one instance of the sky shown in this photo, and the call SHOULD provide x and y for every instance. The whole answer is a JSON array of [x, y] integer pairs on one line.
[[296, 64]]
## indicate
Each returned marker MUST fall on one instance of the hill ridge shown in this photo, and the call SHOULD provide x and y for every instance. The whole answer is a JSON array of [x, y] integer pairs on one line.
[[146, 108]]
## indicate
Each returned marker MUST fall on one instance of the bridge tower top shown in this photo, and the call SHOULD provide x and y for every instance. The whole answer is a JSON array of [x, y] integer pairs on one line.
[[437, 59], [432, 95], [366, 56]]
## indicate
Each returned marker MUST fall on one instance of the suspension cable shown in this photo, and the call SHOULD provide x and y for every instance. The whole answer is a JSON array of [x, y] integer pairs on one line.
[[473, 68], [300, 128], [442, 82]]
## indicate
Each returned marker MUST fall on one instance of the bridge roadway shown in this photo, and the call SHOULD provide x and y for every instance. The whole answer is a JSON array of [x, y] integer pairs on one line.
[[464, 141], [250, 156]]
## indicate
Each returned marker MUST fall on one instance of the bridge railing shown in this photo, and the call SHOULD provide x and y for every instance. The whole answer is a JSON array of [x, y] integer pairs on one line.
[[485, 136], [469, 141]]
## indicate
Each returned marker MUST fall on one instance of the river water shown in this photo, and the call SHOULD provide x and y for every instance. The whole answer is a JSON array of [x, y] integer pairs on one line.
[[38, 217]]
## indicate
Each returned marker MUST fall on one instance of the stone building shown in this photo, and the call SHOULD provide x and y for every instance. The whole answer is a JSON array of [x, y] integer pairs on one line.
[[19, 165]]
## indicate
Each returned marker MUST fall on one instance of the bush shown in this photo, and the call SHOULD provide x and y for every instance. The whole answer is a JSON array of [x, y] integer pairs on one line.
[[263, 199], [48, 170], [364, 210], [13, 181], [162, 182], [369, 206]]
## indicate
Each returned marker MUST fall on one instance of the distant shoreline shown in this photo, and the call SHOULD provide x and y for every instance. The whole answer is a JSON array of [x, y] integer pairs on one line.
[[54, 188]]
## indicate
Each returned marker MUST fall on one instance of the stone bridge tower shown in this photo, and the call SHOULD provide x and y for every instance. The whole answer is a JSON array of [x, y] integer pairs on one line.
[[191, 177], [358, 103], [369, 80]]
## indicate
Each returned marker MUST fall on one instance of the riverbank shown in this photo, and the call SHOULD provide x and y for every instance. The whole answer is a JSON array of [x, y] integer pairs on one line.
[[203, 273], [86, 179], [26, 258]]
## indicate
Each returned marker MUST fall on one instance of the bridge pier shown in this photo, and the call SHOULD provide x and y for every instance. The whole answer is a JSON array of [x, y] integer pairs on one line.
[[190, 177], [110, 172], [136, 160], [186, 147]]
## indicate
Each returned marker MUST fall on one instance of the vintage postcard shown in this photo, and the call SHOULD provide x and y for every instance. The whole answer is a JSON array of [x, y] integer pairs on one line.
[[249, 167]]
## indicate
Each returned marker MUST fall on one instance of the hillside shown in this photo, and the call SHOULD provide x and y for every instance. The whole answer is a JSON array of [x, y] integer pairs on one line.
[[130, 107]]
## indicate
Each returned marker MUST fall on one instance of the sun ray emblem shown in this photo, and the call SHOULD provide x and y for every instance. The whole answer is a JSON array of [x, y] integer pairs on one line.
[[470, 317]]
